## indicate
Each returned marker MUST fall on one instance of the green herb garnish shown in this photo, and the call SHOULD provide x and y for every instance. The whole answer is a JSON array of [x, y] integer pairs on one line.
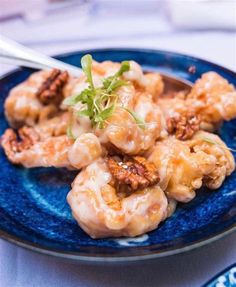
[[99, 103], [69, 133], [112, 83], [209, 141], [86, 63], [215, 143], [140, 122]]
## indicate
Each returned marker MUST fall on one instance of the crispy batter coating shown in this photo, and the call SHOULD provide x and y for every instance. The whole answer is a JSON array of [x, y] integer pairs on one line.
[[213, 146], [29, 151], [123, 132], [178, 169], [23, 107], [34, 150], [151, 83], [28, 137], [210, 84], [53, 127], [217, 96], [11, 145], [184, 166], [135, 172], [212, 99]]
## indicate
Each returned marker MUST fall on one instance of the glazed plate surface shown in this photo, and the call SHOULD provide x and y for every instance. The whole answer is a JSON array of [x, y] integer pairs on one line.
[[33, 208]]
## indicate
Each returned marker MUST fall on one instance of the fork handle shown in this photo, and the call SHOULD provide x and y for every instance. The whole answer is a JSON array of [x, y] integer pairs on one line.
[[15, 53]]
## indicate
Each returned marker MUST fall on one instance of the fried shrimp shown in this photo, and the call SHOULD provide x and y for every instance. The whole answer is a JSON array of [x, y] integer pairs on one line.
[[212, 99], [151, 115], [99, 71], [60, 151], [139, 147], [84, 150], [121, 130], [130, 137], [53, 127], [217, 96], [22, 106], [185, 166], [150, 83], [49, 152], [178, 169], [100, 212], [213, 146]]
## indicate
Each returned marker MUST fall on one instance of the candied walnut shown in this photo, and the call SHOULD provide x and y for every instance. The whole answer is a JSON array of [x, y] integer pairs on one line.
[[51, 89], [136, 172], [12, 145], [184, 127]]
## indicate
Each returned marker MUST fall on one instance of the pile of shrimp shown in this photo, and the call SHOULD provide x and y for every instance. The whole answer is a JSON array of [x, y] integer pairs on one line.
[[38, 138]]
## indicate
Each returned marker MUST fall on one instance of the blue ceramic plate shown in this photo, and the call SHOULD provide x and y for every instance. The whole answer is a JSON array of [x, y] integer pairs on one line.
[[33, 208], [226, 278]]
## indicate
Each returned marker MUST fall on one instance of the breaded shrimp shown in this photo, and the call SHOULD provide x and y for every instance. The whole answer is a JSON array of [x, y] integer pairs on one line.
[[53, 127], [172, 204], [178, 169], [84, 150], [130, 137], [121, 130], [150, 113], [212, 98], [99, 72], [50, 152], [150, 83], [185, 166], [212, 145], [100, 211], [22, 106], [217, 95], [59, 151]]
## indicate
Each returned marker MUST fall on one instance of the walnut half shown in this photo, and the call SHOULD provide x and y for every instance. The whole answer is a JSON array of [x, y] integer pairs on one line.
[[51, 89], [12, 145], [136, 172], [183, 126]]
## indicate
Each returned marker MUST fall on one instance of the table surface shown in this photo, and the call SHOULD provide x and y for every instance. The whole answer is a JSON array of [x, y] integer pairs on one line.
[[22, 268]]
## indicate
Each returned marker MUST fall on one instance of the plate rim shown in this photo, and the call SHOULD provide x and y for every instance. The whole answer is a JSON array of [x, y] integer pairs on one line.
[[130, 49], [116, 259], [111, 259], [220, 273]]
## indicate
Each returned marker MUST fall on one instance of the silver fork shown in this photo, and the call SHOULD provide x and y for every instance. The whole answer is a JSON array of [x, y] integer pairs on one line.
[[17, 54]]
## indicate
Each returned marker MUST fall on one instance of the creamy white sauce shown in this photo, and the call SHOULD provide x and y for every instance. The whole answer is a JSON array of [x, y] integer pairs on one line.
[[144, 108], [99, 176], [132, 241]]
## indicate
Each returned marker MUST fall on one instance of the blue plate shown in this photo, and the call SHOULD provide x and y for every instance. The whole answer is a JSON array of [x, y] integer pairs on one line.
[[33, 208], [226, 278]]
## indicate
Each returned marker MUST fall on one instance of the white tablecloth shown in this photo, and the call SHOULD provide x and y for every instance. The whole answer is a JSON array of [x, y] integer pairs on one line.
[[21, 268]]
